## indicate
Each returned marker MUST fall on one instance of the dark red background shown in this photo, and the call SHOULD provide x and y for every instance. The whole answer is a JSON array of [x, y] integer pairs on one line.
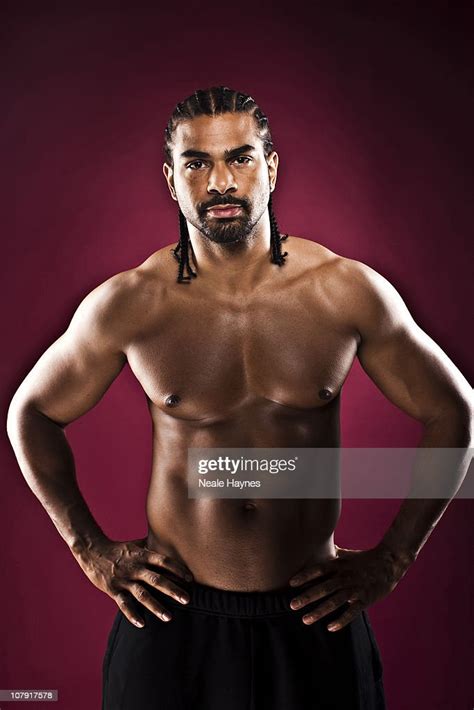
[[372, 115]]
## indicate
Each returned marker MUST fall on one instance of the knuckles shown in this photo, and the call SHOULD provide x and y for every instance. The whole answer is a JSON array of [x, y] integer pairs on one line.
[[155, 579], [121, 601], [139, 591]]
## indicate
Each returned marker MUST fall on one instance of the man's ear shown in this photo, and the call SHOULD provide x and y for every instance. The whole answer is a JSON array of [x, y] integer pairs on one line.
[[168, 173], [272, 162]]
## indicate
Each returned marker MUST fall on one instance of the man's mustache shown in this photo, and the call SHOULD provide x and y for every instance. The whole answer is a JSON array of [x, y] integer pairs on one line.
[[218, 201]]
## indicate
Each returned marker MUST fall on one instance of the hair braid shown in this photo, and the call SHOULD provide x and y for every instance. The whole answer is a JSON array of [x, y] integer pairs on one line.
[[275, 237], [181, 251]]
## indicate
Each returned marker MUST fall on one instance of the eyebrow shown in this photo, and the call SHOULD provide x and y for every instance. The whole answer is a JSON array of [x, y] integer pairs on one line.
[[193, 153]]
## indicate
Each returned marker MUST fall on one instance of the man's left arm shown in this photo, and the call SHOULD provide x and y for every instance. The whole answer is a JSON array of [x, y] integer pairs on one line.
[[418, 377], [414, 373]]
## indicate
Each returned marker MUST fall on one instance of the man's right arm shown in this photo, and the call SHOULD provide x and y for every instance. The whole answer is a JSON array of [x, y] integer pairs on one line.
[[66, 382]]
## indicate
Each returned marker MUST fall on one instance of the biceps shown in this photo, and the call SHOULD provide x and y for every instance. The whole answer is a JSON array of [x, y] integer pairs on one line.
[[413, 372], [69, 379]]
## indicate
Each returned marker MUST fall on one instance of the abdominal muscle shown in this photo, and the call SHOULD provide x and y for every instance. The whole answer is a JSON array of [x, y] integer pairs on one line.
[[229, 545], [235, 544]]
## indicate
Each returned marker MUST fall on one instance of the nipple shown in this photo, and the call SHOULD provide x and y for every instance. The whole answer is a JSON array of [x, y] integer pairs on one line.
[[172, 400], [325, 394]]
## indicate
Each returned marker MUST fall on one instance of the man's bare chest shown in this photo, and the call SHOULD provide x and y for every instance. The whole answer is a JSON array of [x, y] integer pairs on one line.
[[216, 358]]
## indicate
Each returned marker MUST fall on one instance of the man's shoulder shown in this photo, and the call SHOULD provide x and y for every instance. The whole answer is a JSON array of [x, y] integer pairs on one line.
[[136, 283], [308, 251], [350, 285], [364, 297], [342, 266], [124, 299], [328, 264], [363, 285]]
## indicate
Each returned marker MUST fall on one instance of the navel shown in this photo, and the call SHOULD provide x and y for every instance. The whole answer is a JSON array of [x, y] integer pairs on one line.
[[249, 505], [173, 400], [325, 394]]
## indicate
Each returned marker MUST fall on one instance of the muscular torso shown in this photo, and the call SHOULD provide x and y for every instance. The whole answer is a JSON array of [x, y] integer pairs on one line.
[[262, 369]]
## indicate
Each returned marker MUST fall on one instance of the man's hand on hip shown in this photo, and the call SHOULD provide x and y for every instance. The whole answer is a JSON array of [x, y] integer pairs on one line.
[[356, 577], [120, 568]]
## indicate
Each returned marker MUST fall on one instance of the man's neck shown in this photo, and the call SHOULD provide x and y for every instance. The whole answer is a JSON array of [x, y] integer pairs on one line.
[[236, 268]]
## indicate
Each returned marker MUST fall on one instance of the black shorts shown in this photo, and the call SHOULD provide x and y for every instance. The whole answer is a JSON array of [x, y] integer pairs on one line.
[[229, 650]]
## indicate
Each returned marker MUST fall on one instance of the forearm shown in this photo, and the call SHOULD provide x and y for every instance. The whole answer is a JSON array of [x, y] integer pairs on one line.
[[437, 476], [47, 463]]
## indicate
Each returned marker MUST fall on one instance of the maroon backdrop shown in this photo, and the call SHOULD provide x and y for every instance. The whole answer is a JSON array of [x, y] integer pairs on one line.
[[372, 116]]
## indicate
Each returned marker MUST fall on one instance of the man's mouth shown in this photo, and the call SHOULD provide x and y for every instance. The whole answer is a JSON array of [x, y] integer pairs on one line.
[[224, 211]]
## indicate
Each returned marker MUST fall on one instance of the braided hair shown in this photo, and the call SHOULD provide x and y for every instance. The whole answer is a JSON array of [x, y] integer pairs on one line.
[[213, 102]]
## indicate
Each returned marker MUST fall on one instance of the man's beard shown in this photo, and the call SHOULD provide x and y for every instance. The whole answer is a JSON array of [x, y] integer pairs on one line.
[[225, 230]]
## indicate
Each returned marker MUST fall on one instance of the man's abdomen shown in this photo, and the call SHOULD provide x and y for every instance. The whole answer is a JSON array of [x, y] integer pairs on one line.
[[242, 544]]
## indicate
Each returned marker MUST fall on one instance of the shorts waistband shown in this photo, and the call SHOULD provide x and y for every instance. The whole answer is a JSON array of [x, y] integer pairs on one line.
[[224, 602]]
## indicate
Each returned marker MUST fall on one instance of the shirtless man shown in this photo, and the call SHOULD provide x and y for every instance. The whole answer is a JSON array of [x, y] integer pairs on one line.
[[249, 347]]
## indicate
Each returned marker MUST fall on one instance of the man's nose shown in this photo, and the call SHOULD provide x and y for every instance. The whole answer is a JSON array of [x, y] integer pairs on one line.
[[221, 180]]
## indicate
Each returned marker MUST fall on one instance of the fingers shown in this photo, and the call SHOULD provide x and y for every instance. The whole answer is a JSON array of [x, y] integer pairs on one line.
[[326, 607], [130, 571], [123, 601], [312, 572], [157, 559], [162, 583], [347, 617], [145, 598], [314, 593], [135, 589]]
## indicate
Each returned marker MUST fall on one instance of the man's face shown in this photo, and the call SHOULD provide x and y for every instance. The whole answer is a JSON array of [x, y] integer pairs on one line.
[[220, 177]]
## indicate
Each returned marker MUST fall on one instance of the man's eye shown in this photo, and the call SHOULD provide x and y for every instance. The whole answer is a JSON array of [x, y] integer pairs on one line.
[[195, 165], [245, 158]]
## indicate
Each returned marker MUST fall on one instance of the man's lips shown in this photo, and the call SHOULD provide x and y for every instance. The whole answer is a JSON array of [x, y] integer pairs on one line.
[[224, 210]]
